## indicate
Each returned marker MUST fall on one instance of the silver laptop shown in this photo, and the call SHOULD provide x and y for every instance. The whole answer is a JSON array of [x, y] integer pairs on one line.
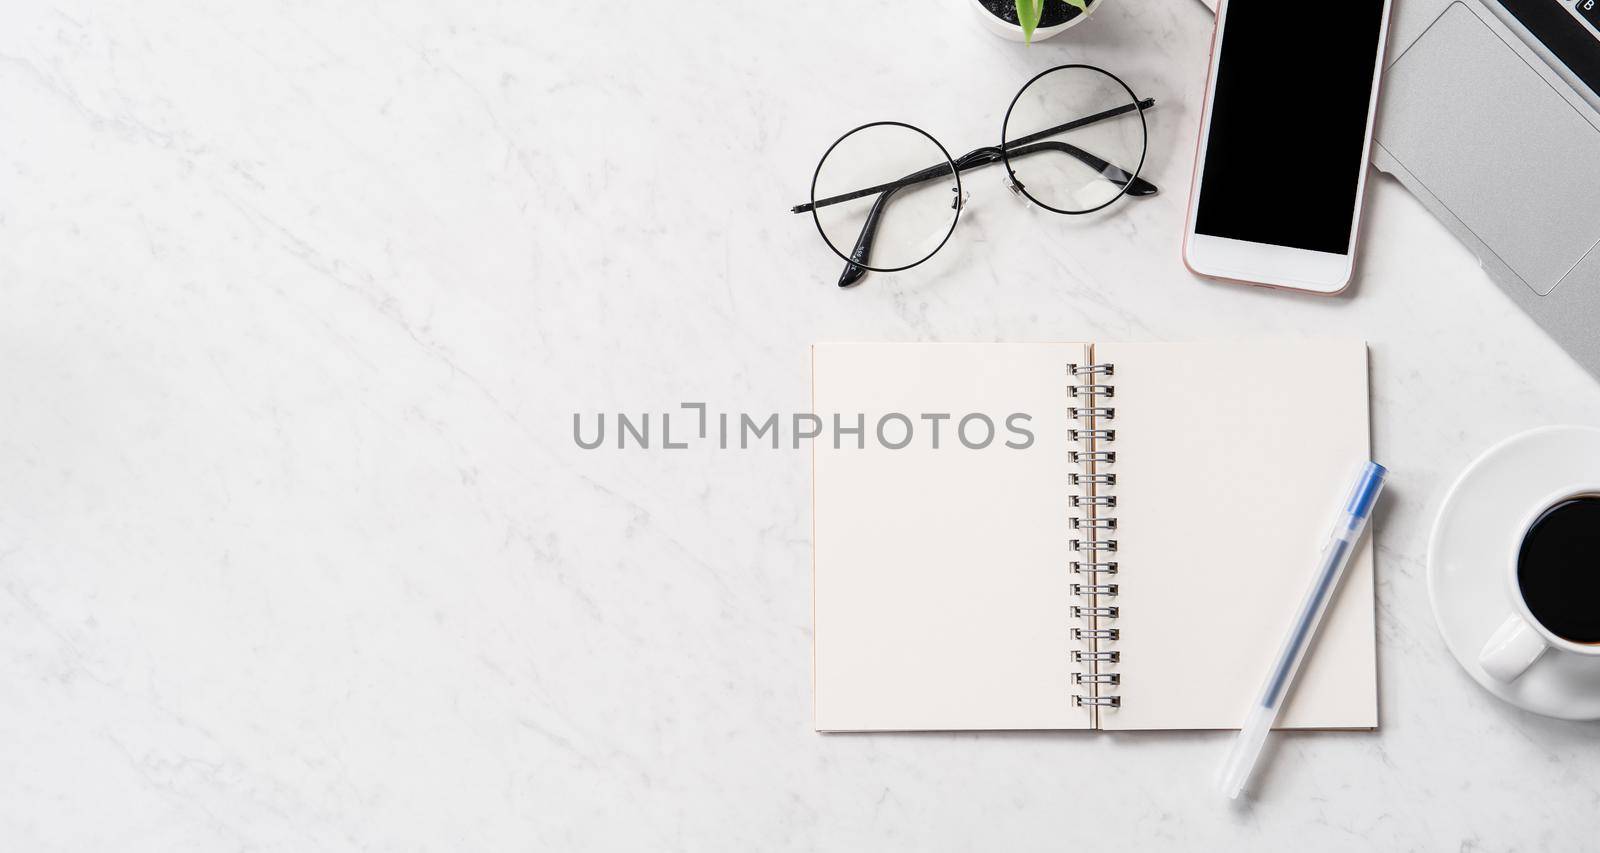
[[1490, 114]]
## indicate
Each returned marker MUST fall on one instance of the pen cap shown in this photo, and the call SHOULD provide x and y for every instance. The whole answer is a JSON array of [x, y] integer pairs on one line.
[[1365, 494]]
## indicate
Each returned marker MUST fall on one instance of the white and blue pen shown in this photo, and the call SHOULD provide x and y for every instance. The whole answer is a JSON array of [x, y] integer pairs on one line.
[[1346, 533]]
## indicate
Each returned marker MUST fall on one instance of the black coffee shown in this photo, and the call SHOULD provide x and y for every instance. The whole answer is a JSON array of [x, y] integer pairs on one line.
[[1558, 569]]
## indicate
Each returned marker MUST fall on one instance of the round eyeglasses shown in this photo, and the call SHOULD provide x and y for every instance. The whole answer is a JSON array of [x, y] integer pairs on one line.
[[1073, 142]]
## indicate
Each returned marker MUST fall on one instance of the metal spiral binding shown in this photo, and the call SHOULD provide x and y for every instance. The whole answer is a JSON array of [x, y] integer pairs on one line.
[[1095, 529]]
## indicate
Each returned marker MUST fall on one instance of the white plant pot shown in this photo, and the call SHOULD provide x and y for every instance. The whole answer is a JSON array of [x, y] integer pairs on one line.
[[1013, 32]]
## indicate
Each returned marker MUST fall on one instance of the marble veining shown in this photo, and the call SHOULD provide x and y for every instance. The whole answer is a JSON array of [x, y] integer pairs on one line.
[[296, 549]]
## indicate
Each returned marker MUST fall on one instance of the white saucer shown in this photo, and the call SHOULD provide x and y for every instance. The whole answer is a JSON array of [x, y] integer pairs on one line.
[[1467, 555]]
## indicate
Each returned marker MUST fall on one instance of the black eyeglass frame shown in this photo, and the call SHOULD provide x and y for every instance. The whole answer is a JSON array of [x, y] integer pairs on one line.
[[1128, 182], [870, 226], [1144, 131]]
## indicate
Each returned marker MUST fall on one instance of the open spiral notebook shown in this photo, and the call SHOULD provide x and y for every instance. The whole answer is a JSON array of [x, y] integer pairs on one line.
[[1134, 565]]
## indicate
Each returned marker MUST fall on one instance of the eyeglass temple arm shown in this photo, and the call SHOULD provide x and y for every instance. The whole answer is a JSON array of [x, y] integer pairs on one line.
[[853, 269], [935, 171], [1136, 186], [1143, 105]]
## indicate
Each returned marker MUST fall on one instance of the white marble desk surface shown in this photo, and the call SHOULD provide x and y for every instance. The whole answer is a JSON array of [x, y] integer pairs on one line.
[[296, 549]]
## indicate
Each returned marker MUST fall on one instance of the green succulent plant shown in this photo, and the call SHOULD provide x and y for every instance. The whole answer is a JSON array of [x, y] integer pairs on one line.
[[1029, 11]]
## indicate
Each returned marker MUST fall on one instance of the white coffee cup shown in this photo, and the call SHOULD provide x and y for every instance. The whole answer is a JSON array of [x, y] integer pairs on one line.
[[1521, 639]]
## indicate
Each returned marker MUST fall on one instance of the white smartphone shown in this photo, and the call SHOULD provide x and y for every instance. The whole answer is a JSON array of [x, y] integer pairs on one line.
[[1281, 162]]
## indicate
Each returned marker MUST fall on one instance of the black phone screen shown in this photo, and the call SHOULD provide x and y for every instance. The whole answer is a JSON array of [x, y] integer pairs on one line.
[[1288, 122]]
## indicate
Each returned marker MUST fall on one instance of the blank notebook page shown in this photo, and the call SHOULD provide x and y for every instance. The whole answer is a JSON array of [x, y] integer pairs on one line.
[[941, 589], [1232, 461]]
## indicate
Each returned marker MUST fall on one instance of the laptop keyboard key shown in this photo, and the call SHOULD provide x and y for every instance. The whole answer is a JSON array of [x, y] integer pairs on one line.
[[1590, 10]]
